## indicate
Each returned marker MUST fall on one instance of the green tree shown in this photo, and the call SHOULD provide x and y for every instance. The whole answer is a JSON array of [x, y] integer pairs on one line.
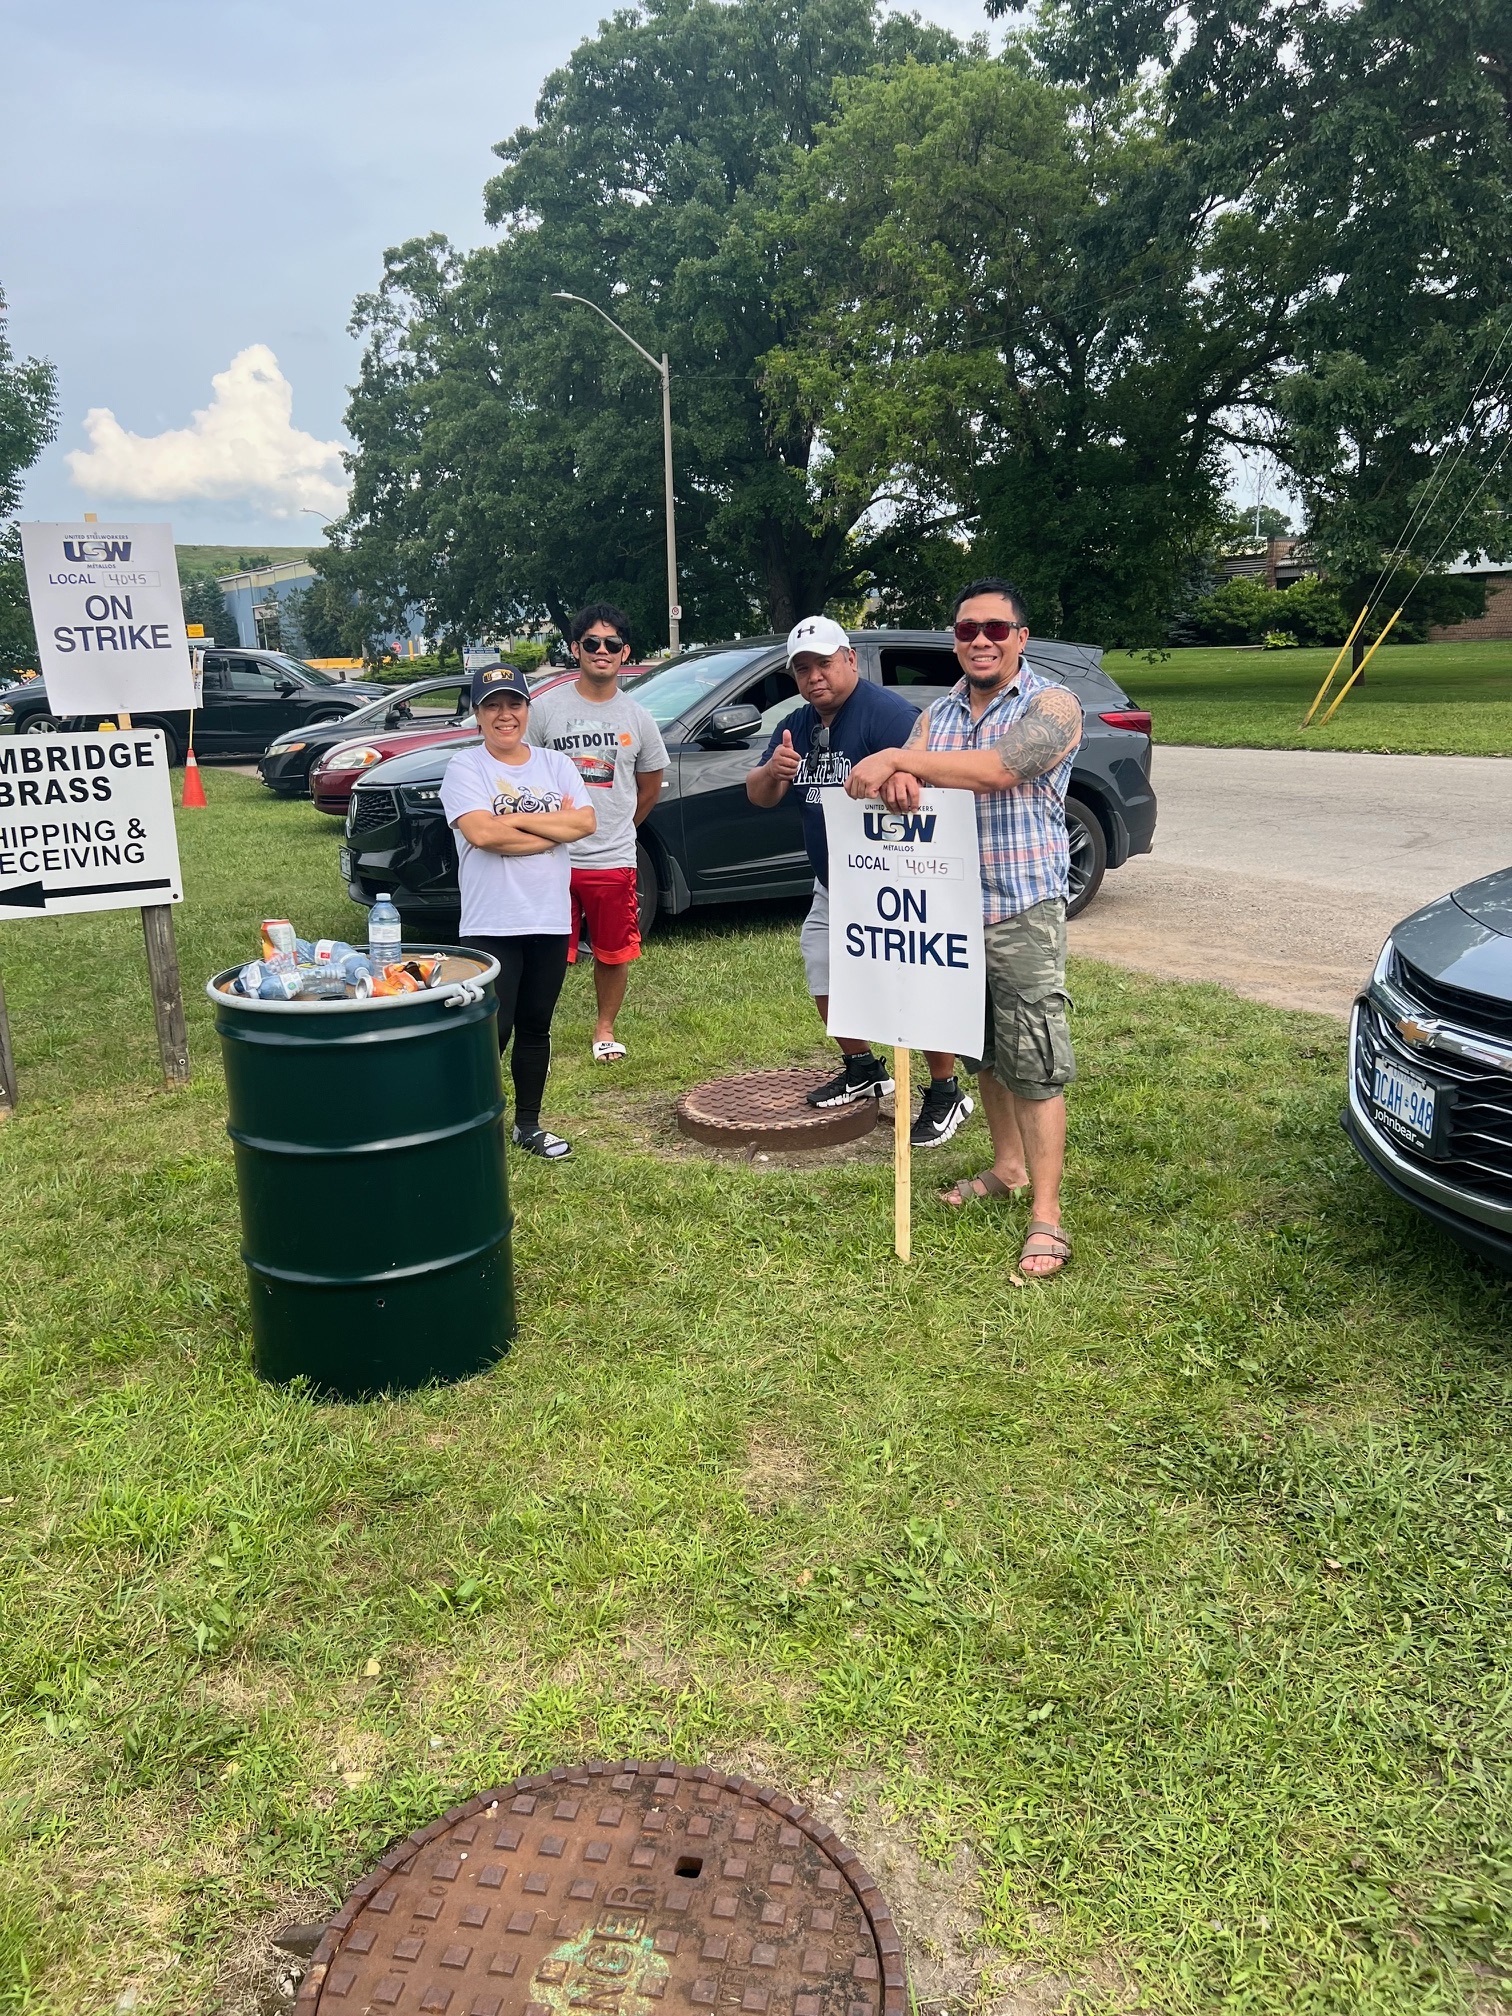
[[204, 603], [508, 459], [1370, 147], [1018, 330], [28, 421], [329, 621]]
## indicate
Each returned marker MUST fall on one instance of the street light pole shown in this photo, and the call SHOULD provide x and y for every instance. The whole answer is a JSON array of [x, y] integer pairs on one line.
[[664, 372]]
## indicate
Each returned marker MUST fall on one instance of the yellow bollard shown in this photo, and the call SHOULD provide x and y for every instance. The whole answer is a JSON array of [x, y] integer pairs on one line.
[[1307, 717]]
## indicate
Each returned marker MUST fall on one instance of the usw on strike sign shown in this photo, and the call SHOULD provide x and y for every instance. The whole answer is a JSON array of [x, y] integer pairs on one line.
[[907, 965]]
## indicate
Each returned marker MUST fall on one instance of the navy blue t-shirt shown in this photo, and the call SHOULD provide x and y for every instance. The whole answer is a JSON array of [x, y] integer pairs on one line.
[[874, 717]]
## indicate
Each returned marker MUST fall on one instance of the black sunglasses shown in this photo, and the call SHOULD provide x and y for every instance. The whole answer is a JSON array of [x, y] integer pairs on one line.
[[611, 644], [995, 627]]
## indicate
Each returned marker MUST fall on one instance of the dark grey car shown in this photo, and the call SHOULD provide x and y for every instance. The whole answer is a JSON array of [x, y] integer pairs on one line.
[[704, 842], [1430, 1065]]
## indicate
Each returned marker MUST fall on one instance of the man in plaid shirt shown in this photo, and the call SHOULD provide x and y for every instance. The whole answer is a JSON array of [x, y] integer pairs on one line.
[[1009, 736]]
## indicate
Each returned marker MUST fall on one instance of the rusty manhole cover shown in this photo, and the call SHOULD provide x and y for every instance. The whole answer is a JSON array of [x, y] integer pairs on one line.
[[768, 1109], [614, 1890]]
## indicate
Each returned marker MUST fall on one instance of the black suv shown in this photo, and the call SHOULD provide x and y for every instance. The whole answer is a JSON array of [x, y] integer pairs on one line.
[[248, 698], [704, 842]]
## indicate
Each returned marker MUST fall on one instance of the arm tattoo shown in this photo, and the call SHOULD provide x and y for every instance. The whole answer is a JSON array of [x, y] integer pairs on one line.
[[919, 739], [1048, 730]]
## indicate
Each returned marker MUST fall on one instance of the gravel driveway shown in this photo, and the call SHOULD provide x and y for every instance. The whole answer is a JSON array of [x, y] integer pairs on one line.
[[1278, 872]]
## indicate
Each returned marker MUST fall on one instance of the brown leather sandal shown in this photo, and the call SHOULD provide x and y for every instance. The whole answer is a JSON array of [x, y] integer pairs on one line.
[[1059, 1251], [976, 1189]]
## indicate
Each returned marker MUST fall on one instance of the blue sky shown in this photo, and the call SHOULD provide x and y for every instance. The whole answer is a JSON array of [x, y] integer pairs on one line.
[[194, 182]]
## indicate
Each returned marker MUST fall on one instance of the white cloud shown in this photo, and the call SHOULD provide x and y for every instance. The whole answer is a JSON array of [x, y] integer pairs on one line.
[[243, 446]]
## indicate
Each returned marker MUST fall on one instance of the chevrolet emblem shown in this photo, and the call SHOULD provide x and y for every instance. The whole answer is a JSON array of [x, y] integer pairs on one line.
[[1411, 1030]]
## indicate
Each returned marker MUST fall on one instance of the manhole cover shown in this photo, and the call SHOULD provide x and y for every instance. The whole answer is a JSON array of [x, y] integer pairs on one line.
[[768, 1109], [614, 1890]]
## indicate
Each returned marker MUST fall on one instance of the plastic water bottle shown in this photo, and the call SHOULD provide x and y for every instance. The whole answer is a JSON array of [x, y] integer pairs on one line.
[[383, 933]]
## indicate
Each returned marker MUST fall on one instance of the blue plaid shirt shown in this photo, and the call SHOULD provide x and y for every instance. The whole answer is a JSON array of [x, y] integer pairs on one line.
[[1021, 830]]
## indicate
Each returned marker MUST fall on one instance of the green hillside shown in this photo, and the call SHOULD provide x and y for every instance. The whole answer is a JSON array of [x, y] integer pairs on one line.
[[232, 559]]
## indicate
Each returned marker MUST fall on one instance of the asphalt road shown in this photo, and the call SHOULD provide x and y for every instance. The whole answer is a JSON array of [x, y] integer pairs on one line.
[[1278, 872]]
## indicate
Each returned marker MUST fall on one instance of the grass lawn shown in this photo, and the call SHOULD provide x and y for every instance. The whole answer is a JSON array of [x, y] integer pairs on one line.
[[1180, 1591], [1422, 699]]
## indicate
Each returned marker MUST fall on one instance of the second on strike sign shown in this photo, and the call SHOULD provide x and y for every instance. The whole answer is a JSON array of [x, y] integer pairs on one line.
[[907, 965], [109, 621]]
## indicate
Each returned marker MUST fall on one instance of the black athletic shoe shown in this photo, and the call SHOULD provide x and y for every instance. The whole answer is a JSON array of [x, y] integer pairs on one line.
[[864, 1077], [945, 1110]]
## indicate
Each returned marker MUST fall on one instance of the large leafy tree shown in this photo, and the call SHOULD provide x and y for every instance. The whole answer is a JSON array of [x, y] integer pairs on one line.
[[28, 421], [1369, 144], [509, 446], [1022, 330]]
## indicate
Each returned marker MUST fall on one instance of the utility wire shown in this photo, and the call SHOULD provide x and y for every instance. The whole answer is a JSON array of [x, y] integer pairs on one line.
[[1391, 567]]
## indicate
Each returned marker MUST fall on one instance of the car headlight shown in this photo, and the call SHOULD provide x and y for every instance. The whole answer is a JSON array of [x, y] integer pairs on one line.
[[422, 794], [284, 748], [354, 756], [6, 710]]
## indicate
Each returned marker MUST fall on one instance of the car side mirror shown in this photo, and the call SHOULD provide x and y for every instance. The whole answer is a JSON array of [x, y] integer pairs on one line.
[[284, 687], [730, 727]]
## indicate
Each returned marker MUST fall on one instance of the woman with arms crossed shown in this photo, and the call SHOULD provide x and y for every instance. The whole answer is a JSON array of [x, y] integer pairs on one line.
[[515, 812]]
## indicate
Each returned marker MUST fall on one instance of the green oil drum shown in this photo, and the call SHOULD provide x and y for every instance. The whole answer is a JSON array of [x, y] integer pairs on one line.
[[369, 1142]]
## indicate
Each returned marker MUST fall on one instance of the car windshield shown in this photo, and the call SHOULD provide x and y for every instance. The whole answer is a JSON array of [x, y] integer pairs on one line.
[[440, 703], [307, 675], [671, 690]]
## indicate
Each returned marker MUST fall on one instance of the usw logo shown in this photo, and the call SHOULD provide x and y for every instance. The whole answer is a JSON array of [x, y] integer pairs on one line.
[[100, 552], [899, 825]]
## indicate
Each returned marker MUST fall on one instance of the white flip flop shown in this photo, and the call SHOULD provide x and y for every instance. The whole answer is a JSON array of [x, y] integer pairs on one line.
[[608, 1052]]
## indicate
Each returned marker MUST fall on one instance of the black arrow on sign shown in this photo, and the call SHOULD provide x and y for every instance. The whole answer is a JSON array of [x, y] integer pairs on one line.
[[33, 896]]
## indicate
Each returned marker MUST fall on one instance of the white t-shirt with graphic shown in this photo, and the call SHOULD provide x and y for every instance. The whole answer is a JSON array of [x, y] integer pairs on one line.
[[512, 896], [609, 742]]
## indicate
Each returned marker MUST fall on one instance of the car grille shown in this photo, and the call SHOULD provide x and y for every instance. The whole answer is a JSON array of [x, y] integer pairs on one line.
[[1487, 1017], [1478, 1141], [371, 809]]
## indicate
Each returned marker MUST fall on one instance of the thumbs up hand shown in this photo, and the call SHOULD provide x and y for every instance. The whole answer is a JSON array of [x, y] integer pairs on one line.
[[785, 761]]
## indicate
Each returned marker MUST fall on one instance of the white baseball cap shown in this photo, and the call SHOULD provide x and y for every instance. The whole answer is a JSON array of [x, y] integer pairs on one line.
[[821, 635]]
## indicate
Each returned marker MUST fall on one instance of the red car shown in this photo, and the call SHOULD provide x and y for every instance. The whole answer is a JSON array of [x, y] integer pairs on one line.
[[333, 774]]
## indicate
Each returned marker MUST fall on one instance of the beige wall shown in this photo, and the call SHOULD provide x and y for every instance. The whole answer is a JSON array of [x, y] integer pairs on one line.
[[1495, 624]]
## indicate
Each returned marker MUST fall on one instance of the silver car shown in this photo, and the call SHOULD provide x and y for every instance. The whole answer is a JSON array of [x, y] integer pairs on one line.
[[1430, 1065]]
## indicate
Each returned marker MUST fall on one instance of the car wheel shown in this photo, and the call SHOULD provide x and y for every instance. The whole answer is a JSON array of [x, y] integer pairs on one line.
[[647, 889], [325, 720], [40, 724], [1089, 855], [170, 741]]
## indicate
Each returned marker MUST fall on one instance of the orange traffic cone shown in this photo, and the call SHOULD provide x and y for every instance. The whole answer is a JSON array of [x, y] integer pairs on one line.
[[193, 797]]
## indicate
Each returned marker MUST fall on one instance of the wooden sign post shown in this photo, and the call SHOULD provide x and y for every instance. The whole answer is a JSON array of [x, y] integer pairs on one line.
[[907, 963], [7, 1062], [97, 831], [902, 1155], [86, 824]]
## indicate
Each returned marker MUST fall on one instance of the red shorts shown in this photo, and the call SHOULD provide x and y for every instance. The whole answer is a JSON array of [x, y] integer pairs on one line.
[[605, 900]]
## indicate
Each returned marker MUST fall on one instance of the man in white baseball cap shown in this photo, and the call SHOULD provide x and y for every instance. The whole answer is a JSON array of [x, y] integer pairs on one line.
[[843, 719]]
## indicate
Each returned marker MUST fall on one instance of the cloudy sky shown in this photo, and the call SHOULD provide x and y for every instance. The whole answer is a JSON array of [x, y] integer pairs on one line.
[[194, 198]]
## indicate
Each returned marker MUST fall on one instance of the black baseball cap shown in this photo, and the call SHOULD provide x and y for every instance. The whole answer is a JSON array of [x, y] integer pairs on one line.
[[498, 679]]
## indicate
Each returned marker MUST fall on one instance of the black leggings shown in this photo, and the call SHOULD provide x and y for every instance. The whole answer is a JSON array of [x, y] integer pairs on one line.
[[531, 972]]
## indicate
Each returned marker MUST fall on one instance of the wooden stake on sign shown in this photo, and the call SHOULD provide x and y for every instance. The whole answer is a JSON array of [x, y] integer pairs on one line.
[[163, 977], [902, 1155], [167, 994], [8, 1093]]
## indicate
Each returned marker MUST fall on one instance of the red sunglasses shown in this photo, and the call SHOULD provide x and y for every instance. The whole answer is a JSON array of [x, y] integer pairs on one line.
[[966, 631]]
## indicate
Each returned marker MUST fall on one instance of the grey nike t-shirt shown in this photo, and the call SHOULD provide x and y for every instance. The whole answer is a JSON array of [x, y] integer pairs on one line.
[[607, 742]]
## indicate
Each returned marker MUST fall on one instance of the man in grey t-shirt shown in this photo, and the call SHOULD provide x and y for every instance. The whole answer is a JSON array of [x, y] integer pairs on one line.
[[618, 752]]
